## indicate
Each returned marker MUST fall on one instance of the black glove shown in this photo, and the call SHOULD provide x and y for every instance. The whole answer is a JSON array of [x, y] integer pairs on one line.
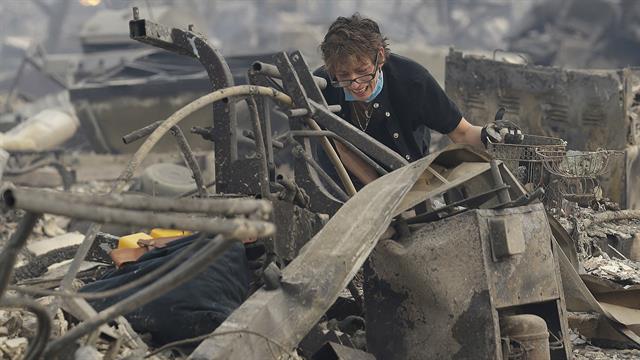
[[501, 131]]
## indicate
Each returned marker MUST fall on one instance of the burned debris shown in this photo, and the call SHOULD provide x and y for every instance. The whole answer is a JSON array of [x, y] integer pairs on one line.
[[252, 250]]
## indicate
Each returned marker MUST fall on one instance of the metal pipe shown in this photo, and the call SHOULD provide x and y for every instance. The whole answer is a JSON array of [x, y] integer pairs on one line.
[[190, 158], [335, 159], [140, 133], [183, 273], [303, 112], [268, 137], [213, 206], [379, 169], [260, 148], [296, 112], [14, 245], [298, 151], [275, 143], [503, 193], [272, 71], [381, 153], [236, 228], [183, 145], [43, 330]]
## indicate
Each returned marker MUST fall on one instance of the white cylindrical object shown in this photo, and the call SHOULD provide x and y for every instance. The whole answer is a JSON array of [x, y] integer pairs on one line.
[[44, 131]]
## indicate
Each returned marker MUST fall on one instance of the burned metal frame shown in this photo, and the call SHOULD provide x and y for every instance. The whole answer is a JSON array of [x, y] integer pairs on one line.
[[322, 200], [312, 133], [312, 281], [61, 203], [84, 207], [194, 45], [183, 145]]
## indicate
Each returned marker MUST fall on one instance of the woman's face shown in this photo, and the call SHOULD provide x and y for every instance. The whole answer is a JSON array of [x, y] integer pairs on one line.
[[355, 68]]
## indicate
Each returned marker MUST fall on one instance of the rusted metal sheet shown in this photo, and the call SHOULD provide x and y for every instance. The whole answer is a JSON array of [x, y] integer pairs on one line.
[[581, 107], [590, 109], [313, 280]]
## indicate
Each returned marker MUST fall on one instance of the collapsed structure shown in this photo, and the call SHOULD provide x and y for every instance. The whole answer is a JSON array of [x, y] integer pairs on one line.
[[484, 272]]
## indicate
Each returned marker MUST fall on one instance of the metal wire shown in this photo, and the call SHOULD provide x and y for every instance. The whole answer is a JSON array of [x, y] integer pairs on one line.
[[196, 245], [260, 147], [526, 164], [183, 273], [576, 164], [43, 330], [14, 245]]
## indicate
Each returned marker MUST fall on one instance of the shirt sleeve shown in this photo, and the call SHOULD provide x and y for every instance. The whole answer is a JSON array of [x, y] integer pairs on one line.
[[441, 112]]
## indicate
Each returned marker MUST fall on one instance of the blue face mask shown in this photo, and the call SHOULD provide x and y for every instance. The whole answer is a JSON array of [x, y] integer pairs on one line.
[[349, 97]]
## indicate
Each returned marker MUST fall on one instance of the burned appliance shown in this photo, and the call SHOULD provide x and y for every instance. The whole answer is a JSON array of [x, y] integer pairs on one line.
[[452, 288]]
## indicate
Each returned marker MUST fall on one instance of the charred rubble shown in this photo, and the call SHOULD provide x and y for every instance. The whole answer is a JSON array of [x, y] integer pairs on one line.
[[522, 251]]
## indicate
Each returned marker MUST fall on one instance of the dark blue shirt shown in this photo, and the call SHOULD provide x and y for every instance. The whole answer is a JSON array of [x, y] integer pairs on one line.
[[411, 102]]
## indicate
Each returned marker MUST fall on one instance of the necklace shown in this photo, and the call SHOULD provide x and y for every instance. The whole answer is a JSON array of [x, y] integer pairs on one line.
[[366, 110]]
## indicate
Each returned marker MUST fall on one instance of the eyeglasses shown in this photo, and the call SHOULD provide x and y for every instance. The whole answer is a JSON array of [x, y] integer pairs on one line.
[[364, 79]]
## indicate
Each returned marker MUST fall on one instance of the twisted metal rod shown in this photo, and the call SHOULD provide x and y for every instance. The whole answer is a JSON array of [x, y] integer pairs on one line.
[[120, 184], [180, 275]]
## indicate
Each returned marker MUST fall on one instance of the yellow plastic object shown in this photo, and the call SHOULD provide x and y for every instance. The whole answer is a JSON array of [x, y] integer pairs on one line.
[[131, 241], [162, 233]]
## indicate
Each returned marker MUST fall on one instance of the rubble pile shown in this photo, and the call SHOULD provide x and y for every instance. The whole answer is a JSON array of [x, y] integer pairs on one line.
[[595, 238], [130, 294], [595, 353], [621, 271], [583, 350]]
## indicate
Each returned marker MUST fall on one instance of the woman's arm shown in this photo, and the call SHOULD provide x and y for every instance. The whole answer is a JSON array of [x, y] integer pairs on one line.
[[466, 133]]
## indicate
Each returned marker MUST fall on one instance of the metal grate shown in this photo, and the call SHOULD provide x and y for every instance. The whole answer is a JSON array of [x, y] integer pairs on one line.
[[577, 172], [524, 160]]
